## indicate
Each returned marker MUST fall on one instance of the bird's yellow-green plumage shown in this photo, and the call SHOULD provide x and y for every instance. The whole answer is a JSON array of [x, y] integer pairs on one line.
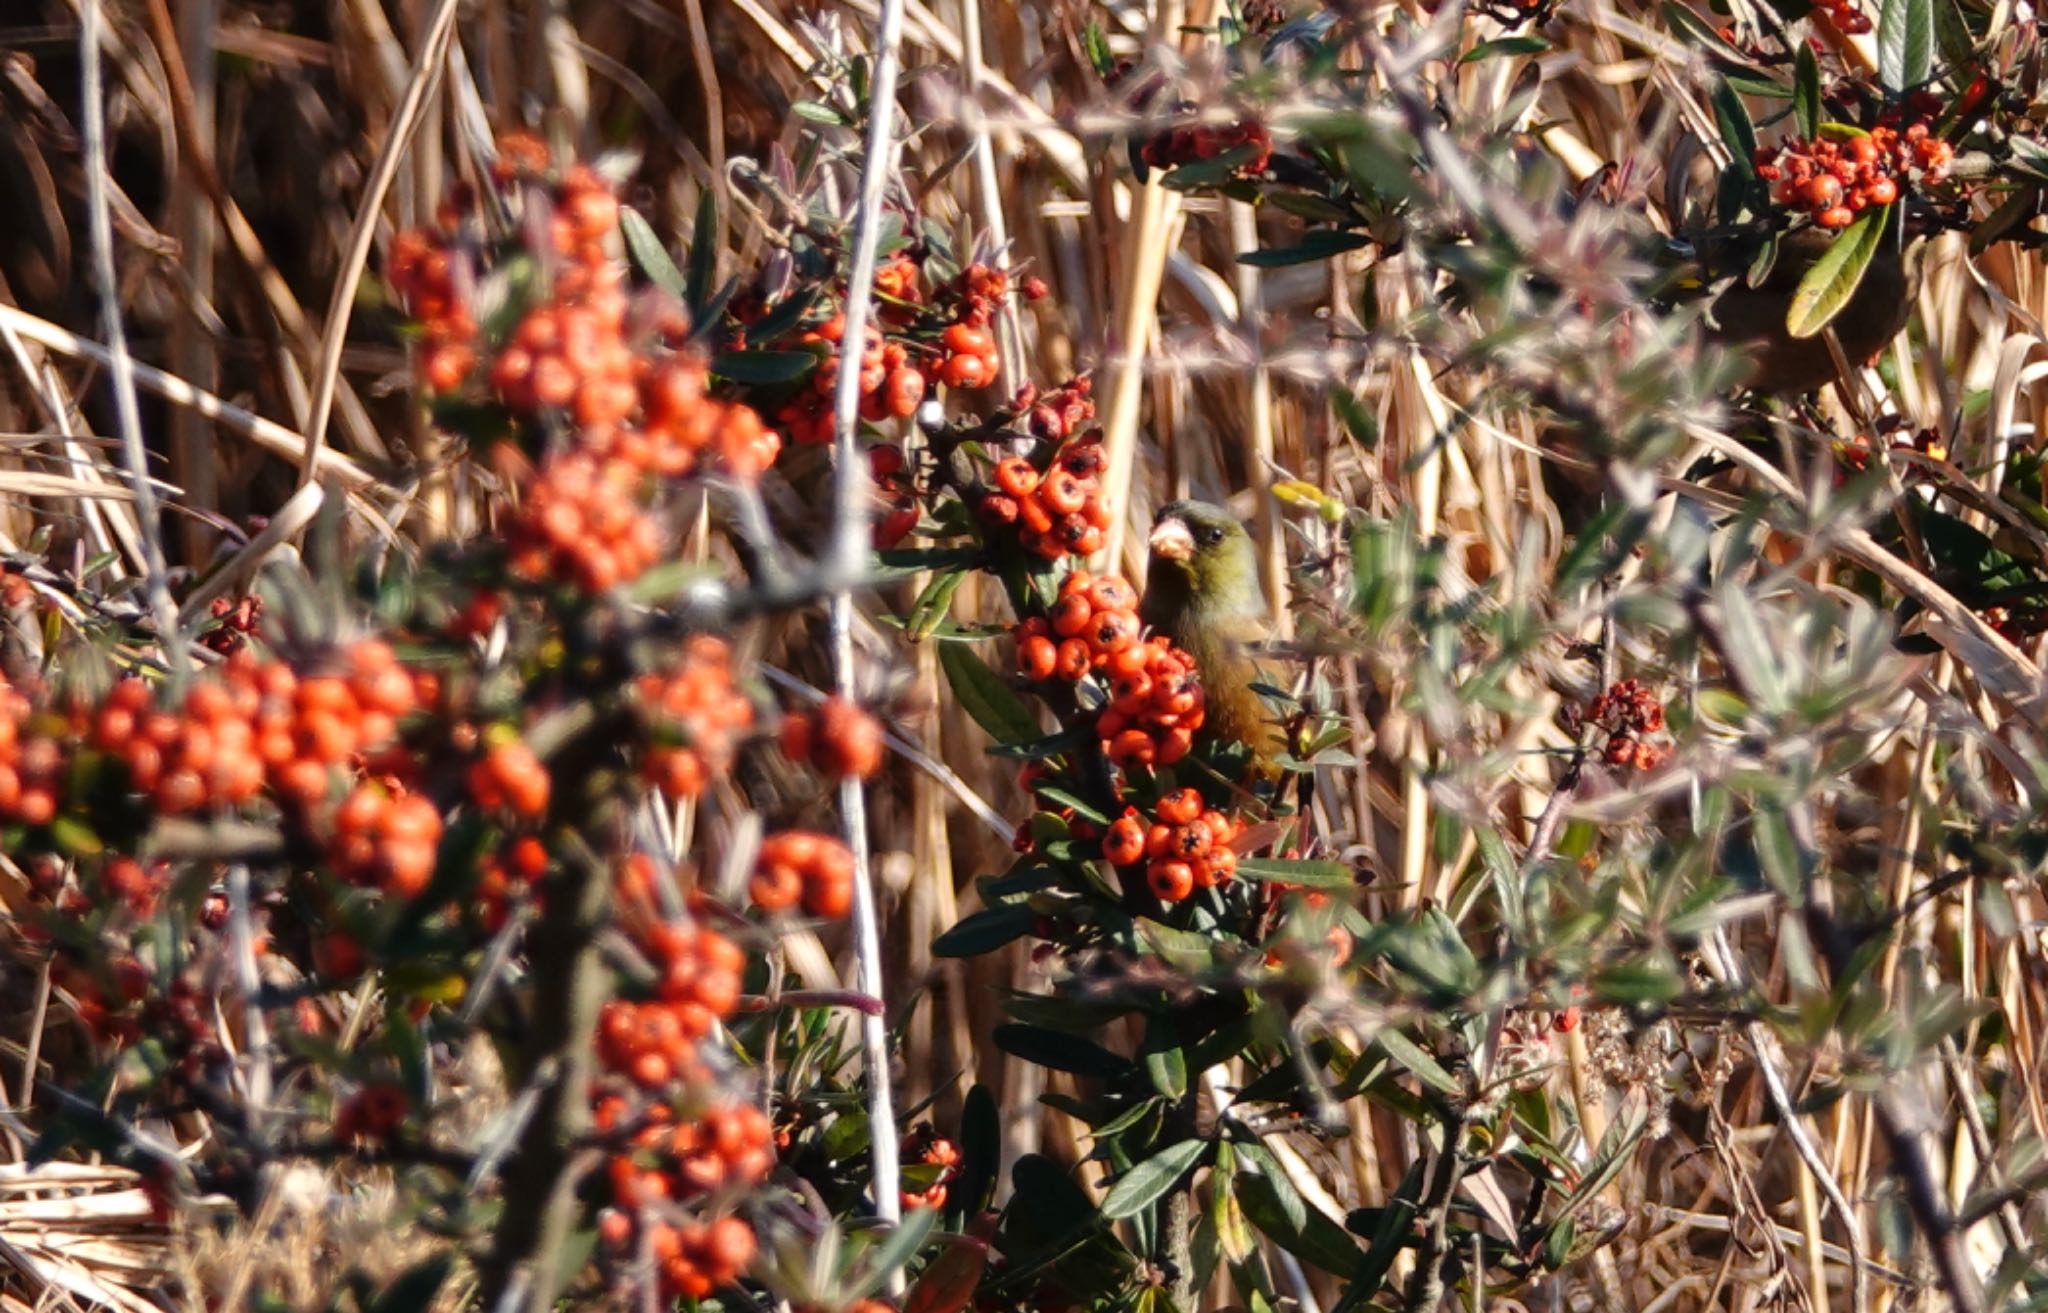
[[1202, 591]]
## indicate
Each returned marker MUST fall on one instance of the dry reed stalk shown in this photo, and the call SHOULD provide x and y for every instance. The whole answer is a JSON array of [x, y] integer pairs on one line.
[[426, 70]]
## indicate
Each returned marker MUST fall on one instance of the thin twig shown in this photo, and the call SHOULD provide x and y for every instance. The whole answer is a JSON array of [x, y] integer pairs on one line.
[[916, 756], [848, 558], [127, 415], [1721, 960]]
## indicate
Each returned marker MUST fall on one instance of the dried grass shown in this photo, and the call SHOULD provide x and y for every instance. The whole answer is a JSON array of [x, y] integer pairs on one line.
[[1214, 380]]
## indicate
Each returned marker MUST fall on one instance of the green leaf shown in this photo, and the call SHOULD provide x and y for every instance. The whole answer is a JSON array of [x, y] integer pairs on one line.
[[1051, 745], [1418, 1060], [985, 931], [985, 697], [1271, 1204], [1834, 278], [1526, 44], [1307, 874], [1905, 44], [1069, 1053], [1638, 983], [893, 1254], [981, 1150], [648, 253], [2029, 157], [817, 112], [1148, 1182], [1732, 117], [1165, 1065], [1318, 245], [1952, 38], [1388, 1233], [1806, 92], [763, 367], [1683, 19], [929, 611], [1095, 45], [74, 836], [1083, 808], [1308, 205], [1611, 1155], [703, 257], [1212, 172], [1358, 420]]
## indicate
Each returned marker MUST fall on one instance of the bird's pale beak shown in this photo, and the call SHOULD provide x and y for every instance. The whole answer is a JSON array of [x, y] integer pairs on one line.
[[1171, 539]]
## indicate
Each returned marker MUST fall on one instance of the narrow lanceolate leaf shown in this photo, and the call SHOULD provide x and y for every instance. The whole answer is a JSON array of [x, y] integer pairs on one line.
[[1834, 277], [1148, 1182], [1732, 117], [985, 697], [648, 253], [703, 256], [1307, 874], [1905, 44], [1806, 92], [1418, 1060]]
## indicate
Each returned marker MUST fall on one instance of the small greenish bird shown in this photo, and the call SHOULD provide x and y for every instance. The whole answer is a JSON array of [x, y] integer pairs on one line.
[[1202, 591]]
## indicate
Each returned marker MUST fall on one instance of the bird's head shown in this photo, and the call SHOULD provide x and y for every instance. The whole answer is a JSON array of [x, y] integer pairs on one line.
[[1203, 560]]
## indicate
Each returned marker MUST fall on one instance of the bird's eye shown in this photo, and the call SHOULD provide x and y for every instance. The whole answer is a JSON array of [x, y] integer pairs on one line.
[[1210, 535]]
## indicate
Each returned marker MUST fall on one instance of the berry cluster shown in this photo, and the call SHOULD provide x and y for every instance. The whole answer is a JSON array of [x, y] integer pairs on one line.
[[697, 712], [1065, 412], [1185, 846], [839, 739], [510, 778], [1154, 709], [385, 839], [726, 1145], [581, 523], [234, 620], [1093, 626], [890, 386], [261, 722], [2016, 623], [971, 358], [1155, 702], [653, 1042], [1834, 181], [1629, 713], [505, 875], [802, 866], [1854, 451], [896, 287], [671, 1162], [924, 1151], [31, 760], [433, 278], [635, 412], [896, 492], [136, 887], [1059, 511], [374, 1114], [1188, 143], [1845, 15]]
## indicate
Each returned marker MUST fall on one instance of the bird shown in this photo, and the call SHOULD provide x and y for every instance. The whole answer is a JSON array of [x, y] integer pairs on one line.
[[1750, 321], [1202, 592]]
